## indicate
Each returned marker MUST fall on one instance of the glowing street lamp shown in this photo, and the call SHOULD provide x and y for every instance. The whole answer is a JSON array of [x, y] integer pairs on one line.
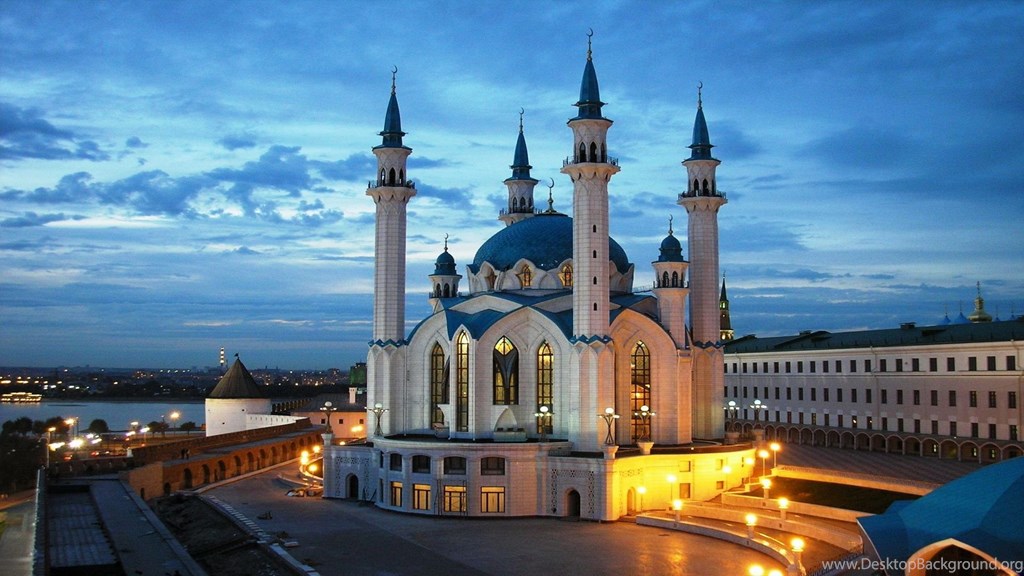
[[751, 523], [609, 416], [174, 418], [783, 506], [775, 447], [766, 484], [677, 507], [543, 416], [671, 486], [327, 408], [756, 570], [730, 410], [378, 411], [644, 414], [797, 546], [757, 406], [641, 490], [763, 455]]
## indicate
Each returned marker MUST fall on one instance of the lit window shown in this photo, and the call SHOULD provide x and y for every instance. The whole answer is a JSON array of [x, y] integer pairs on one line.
[[492, 499], [421, 496], [566, 276], [455, 499]]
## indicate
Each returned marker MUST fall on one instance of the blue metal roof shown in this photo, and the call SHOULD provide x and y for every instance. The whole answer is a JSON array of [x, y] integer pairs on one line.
[[445, 264], [392, 132], [521, 161], [590, 93], [979, 510], [671, 250], [544, 239], [701, 146]]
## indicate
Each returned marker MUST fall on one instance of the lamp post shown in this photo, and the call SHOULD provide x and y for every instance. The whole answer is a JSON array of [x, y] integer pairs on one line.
[[763, 455], [797, 546], [644, 414], [543, 416], [730, 409], [766, 484], [609, 416], [677, 507], [641, 490], [775, 447], [783, 506], [49, 431], [174, 418], [757, 406], [378, 411], [751, 523], [329, 407]]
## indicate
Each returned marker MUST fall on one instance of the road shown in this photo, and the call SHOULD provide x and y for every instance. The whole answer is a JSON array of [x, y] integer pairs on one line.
[[18, 535], [344, 537]]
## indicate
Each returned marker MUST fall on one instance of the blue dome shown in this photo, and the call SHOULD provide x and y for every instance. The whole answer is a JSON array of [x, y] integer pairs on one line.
[[544, 239], [671, 250], [445, 264]]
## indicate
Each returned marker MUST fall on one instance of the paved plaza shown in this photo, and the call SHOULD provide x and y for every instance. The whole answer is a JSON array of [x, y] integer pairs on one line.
[[345, 537]]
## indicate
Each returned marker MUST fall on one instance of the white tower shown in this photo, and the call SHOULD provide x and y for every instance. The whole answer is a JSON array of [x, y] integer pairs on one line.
[[391, 192], [591, 169], [670, 287], [702, 201], [520, 184]]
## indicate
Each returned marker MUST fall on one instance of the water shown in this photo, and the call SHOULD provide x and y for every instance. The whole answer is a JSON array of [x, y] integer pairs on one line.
[[118, 414]]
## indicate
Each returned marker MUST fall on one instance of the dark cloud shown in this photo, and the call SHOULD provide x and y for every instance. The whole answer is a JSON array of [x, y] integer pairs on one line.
[[29, 219], [153, 192], [861, 147], [24, 133], [237, 141], [135, 142], [358, 167], [759, 236], [455, 197], [733, 143], [245, 251], [421, 163]]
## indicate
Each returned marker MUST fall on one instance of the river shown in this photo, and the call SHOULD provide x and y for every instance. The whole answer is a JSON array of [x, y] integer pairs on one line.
[[118, 413]]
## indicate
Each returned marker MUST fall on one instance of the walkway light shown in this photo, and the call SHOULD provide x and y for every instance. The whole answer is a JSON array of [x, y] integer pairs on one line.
[[797, 545], [763, 455], [751, 523], [677, 507], [783, 506], [543, 416], [641, 490], [775, 447], [644, 415], [609, 416], [756, 570], [378, 411], [766, 484], [671, 486]]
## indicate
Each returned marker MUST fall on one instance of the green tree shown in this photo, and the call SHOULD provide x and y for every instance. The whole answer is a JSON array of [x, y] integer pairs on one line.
[[188, 427], [98, 426]]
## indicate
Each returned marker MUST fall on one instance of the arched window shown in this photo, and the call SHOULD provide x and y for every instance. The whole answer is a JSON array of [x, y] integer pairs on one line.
[[675, 279], [391, 177], [696, 187], [506, 372], [581, 156], [525, 276], [705, 186], [664, 278], [515, 204], [437, 290], [447, 291], [640, 395], [401, 176], [593, 152], [382, 179], [566, 276], [545, 385], [462, 382], [438, 383]]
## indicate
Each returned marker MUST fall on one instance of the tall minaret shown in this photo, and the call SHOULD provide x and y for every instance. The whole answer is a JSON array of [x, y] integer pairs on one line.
[[702, 201], [590, 169], [520, 183], [670, 287], [390, 193], [386, 361]]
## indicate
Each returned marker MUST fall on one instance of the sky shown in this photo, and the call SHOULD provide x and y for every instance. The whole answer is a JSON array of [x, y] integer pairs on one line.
[[177, 177]]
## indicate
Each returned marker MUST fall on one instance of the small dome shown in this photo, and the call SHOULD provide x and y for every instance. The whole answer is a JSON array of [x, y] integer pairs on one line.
[[544, 239], [445, 264], [671, 250]]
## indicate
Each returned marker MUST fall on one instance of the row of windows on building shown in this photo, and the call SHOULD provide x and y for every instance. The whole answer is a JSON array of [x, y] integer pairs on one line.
[[869, 424], [453, 497], [452, 465], [506, 382], [898, 365], [883, 396]]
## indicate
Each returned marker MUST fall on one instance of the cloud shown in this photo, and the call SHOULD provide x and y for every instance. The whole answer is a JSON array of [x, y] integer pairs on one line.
[[861, 147], [30, 219], [135, 142], [237, 141], [245, 251], [24, 133], [461, 197], [356, 168]]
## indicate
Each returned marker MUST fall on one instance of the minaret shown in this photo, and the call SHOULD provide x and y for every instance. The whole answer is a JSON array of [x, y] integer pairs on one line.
[[445, 279], [724, 322], [391, 192], [670, 287], [520, 184], [702, 201], [386, 361], [590, 169]]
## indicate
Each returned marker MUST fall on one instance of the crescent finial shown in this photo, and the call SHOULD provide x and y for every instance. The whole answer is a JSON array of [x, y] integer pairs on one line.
[[445, 241], [700, 86], [394, 73], [590, 35], [521, 112], [669, 224]]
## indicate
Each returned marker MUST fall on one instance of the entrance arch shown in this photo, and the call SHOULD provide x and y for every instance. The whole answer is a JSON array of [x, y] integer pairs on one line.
[[352, 486], [572, 504]]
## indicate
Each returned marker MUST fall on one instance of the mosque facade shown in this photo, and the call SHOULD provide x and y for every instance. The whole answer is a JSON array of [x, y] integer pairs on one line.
[[542, 383]]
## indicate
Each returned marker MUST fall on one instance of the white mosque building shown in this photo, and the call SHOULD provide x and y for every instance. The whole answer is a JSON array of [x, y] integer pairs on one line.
[[549, 387]]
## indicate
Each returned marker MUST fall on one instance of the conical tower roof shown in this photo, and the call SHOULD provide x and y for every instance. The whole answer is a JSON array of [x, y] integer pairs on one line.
[[237, 383]]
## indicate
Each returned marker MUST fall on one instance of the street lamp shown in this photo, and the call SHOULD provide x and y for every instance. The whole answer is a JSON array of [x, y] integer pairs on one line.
[[329, 407], [763, 455], [757, 407], [756, 570], [641, 490], [671, 486], [378, 411], [174, 418], [609, 417], [543, 416], [677, 507], [644, 414], [797, 545], [49, 431], [751, 523], [775, 447], [731, 408], [766, 484], [783, 506]]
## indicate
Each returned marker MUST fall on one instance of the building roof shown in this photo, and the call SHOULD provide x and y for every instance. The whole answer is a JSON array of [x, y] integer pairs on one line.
[[237, 383], [979, 510], [545, 239], [906, 335]]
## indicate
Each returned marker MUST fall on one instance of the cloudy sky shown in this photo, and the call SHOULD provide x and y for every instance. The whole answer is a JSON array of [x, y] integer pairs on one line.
[[180, 176]]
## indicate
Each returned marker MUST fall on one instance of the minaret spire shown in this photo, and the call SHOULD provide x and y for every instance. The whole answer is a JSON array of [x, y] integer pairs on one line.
[[520, 184]]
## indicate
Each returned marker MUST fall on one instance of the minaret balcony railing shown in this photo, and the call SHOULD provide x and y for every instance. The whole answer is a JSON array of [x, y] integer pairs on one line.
[[572, 161], [504, 211], [406, 184], [694, 194]]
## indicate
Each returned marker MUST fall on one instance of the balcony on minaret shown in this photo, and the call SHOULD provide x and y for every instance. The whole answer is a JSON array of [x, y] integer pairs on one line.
[[391, 182], [584, 159], [709, 190]]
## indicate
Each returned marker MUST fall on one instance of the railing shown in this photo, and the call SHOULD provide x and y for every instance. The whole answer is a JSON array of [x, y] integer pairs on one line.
[[716, 194], [571, 161], [406, 184]]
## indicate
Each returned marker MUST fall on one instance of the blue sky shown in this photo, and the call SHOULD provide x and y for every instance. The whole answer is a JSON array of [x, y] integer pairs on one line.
[[180, 176]]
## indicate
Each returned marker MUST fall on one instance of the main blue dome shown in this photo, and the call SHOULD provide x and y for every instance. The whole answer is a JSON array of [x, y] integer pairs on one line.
[[544, 239]]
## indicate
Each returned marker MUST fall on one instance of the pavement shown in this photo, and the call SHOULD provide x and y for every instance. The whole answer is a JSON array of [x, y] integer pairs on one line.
[[18, 535], [346, 537]]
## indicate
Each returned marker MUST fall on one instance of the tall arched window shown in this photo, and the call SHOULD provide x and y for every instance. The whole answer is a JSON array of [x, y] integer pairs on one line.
[[525, 276], [566, 276], [640, 395], [664, 278], [438, 384], [506, 372], [462, 383], [593, 151], [545, 385]]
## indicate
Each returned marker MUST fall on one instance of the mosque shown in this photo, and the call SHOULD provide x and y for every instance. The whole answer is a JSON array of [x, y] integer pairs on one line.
[[550, 386]]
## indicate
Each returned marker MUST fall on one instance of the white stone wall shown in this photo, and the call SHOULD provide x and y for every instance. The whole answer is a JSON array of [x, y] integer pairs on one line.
[[224, 415]]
